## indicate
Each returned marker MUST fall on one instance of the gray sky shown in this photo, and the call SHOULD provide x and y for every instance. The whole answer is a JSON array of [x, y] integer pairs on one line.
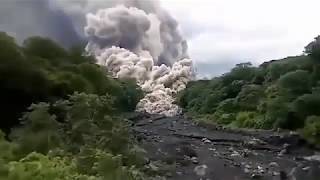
[[222, 33]]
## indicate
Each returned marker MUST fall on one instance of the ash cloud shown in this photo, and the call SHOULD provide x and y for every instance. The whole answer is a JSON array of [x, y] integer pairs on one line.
[[145, 45], [25, 18], [132, 38], [131, 28], [63, 21]]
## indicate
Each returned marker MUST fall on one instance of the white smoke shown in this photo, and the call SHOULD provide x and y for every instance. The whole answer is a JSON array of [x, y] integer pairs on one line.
[[146, 46], [132, 38]]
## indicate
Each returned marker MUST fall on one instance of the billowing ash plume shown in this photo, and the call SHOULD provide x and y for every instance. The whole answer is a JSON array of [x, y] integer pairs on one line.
[[144, 15], [132, 38], [145, 45]]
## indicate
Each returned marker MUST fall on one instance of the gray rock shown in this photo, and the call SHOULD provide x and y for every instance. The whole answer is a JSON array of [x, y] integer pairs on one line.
[[153, 167], [246, 170], [206, 141], [255, 176], [313, 158], [274, 164], [201, 170], [283, 152], [248, 166], [261, 170], [194, 160], [235, 154], [275, 173], [168, 174], [307, 168]]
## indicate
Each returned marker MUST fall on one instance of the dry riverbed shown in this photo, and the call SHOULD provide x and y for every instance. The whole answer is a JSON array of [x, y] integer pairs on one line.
[[178, 149]]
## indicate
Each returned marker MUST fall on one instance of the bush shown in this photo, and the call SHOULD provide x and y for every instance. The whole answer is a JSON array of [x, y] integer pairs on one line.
[[92, 142], [44, 48], [225, 112], [248, 120], [296, 82], [40, 167], [40, 129], [224, 118], [307, 105], [106, 165], [249, 97], [311, 130], [71, 130]]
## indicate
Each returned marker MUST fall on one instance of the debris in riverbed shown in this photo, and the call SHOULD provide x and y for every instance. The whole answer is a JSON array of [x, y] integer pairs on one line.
[[274, 164], [313, 158], [194, 160], [201, 170], [224, 154], [206, 141]]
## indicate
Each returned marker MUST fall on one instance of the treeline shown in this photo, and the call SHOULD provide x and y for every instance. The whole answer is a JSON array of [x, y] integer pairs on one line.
[[40, 70], [60, 115], [277, 94]]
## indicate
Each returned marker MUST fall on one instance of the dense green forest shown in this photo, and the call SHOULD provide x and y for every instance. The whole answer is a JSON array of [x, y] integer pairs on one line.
[[278, 94], [60, 115]]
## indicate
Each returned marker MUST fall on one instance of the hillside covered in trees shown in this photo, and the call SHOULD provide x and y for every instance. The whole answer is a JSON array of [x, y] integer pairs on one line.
[[278, 94], [61, 115]]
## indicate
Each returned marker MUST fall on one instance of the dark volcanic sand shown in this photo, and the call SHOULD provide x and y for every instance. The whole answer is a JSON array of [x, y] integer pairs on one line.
[[181, 146]]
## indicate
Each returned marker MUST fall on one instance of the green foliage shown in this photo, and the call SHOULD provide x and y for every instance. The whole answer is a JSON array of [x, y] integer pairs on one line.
[[42, 71], [86, 143], [224, 113], [8, 48], [40, 129], [106, 165], [7, 149], [242, 71], [276, 113], [91, 165], [72, 130], [313, 48], [40, 167], [224, 117], [248, 120], [277, 94], [307, 104], [89, 123], [296, 82], [311, 130], [130, 95], [85, 120], [7, 154], [44, 48], [249, 97]]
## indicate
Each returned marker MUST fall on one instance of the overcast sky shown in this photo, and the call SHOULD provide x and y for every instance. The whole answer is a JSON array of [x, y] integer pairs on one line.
[[222, 33]]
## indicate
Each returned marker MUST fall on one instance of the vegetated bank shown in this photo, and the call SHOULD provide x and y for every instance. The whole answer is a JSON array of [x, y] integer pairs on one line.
[[282, 93], [60, 115]]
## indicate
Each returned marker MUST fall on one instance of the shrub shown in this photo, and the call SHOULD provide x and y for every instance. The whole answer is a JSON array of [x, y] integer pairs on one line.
[[277, 113], [249, 97], [40, 129], [306, 105], [296, 82], [40, 167], [311, 130], [248, 120]]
